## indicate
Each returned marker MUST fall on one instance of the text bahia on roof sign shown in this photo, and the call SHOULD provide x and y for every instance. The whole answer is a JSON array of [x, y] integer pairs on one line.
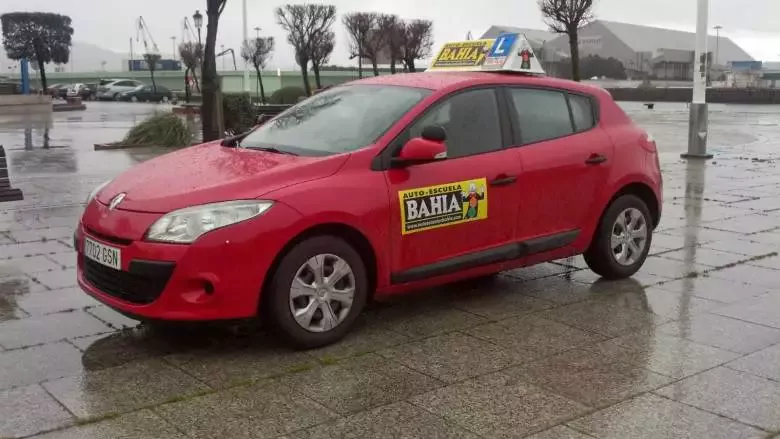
[[509, 52]]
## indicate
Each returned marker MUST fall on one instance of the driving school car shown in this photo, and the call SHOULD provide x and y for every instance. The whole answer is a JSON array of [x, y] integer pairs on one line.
[[378, 186]]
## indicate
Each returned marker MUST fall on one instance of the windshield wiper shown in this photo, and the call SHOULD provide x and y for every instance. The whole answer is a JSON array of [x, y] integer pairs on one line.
[[270, 149]]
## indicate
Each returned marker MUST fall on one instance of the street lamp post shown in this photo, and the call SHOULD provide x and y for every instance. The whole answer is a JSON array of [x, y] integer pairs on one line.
[[197, 19], [174, 47], [244, 42], [717, 42], [697, 128]]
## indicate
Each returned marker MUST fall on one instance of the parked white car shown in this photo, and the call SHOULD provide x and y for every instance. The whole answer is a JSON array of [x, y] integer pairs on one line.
[[112, 90]]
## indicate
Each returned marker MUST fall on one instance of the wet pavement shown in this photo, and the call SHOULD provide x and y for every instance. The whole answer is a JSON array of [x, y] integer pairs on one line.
[[689, 347]]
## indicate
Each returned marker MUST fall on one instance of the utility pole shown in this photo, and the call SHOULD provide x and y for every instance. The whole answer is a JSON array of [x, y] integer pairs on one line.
[[717, 42], [174, 47], [697, 128], [243, 43]]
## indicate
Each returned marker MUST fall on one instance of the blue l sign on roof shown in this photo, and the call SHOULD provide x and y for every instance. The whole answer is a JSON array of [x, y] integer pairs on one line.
[[502, 46]]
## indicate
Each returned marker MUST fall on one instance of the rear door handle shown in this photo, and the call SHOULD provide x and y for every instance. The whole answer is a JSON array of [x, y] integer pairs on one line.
[[595, 159], [503, 180]]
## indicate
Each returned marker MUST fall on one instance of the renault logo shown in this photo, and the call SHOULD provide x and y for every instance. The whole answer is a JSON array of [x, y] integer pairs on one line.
[[116, 200]]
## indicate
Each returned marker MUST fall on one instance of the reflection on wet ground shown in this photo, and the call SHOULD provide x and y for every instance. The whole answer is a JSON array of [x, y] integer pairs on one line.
[[689, 347]]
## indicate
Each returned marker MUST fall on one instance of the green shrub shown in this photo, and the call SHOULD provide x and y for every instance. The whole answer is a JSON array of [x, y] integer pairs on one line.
[[161, 129], [238, 112], [287, 96]]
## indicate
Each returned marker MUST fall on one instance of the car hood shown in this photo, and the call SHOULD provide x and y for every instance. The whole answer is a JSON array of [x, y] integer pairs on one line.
[[210, 173]]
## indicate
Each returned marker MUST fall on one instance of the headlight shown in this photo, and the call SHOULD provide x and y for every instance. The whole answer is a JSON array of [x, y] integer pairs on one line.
[[184, 226], [95, 191]]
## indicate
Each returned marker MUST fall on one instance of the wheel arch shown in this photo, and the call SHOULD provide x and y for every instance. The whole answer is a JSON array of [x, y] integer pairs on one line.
[[644, 193], [350, 234]]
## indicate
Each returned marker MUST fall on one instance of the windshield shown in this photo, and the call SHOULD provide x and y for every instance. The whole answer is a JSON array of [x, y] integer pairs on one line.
[[338, 120]]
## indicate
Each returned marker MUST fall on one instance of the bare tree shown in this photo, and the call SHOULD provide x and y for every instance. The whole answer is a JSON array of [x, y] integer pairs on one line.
[[151, 61], [303, 24], [321, 49], [416, 42], [209, 111], [191, 55], [567, 17], [359, 25], [392, 28], [257, 52]]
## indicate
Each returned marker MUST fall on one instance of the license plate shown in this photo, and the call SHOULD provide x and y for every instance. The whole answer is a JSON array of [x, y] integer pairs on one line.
[[102, 254]]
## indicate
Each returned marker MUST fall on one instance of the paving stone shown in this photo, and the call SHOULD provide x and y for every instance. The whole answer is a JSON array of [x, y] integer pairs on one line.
[[111, 317], [430, 322], [22, 367], [703, 256], [589, 377], [762, 310], [537, 271], [500, 299], [663, 354], [665, 304], [559, 290], [746, 224], [698, 235], [44, 234], [142, 424], [764, 363], [497, 405], [43, 329], [227, 367], [737, 395], [710, 288], [21, 266], [559, 432], [12, 251], [722, 332], [55, 280], [454, 357], [28, 410], [601, 317], [539, 337], [359, 384], [14, 286], [54, 301], [600, 286], [66, 260], [398, 420], [650, 416], [671, 269], [266, 409], [743, 247], [749, 274], [123, 389]]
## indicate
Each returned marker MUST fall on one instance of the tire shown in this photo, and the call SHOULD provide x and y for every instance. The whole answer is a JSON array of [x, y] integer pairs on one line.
[[277, 305], [116, 96], [164, 99], [602, 258], [134, 99]]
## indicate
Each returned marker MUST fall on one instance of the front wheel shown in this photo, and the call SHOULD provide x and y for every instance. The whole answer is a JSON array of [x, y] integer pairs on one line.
[[316, 293], [622, 240]]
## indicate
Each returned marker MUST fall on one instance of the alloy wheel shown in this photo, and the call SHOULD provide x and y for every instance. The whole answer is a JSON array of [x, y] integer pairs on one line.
[[629, 236], [322, 292]]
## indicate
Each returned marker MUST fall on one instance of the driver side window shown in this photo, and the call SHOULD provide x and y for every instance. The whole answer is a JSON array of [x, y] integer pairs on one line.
[[470, 120]]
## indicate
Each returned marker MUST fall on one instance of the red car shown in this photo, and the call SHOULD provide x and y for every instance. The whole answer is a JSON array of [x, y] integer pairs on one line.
[[378, 186]]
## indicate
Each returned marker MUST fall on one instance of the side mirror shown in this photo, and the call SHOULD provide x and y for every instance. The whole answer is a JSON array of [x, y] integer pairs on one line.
[[427, 148]]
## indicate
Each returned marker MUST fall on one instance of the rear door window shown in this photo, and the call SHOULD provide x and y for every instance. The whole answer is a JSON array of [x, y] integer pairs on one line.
[[541, 114]]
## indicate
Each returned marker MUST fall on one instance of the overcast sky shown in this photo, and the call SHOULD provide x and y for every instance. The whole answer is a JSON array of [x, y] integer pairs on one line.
[[751, 23]]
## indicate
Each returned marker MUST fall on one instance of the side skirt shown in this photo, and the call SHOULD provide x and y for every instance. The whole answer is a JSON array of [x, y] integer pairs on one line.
[[515, 250]]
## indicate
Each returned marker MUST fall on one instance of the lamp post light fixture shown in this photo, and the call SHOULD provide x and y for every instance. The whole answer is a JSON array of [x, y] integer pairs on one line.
[[197, 19], [257, 31]]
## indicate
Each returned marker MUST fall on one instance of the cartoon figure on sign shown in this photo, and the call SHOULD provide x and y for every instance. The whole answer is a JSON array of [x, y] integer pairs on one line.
[[525, 56], [472, 197]]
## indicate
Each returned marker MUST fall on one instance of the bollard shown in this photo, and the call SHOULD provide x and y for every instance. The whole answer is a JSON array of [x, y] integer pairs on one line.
[[7, 193]]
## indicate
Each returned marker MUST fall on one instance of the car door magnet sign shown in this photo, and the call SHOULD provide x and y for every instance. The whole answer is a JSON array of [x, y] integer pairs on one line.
[[443, 205]]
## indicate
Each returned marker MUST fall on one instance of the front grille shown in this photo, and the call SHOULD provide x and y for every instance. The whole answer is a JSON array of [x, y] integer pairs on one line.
[[142, 285], [109, 238]]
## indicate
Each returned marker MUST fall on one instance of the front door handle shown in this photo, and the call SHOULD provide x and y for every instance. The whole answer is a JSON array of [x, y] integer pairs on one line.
[[596, 159], [503, 180]]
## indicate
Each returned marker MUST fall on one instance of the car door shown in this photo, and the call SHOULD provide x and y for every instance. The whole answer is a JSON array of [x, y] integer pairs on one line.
[[459, 212], [565, 157]]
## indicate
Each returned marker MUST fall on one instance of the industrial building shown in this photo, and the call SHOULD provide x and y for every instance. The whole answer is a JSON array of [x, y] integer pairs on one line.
[[644, 51]]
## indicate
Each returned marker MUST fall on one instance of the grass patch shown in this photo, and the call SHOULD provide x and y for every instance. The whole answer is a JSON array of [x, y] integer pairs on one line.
[[161, 129], [94, 419]]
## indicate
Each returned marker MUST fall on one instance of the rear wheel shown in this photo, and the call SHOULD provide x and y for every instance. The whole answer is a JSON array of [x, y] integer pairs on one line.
[[622, 241], [316, 293], [134, 99]]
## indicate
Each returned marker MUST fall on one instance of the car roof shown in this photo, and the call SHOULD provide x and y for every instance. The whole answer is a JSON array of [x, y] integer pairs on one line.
[[444, 80]]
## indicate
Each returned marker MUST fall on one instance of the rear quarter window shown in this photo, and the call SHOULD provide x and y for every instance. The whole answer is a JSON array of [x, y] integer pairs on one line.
[[582, 112]]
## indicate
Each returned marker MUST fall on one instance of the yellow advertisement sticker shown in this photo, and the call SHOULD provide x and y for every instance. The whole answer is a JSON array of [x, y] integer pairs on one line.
[[469, 53], [443, 205]]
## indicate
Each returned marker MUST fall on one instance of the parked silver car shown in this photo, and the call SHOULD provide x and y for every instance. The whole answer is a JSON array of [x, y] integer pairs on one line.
[[112, 90]]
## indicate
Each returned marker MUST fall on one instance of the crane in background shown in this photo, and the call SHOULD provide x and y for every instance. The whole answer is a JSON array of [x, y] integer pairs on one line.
[[143, 31]]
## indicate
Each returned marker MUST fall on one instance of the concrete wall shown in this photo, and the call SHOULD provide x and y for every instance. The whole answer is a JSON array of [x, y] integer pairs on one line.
[[714, 95], [10, 104]]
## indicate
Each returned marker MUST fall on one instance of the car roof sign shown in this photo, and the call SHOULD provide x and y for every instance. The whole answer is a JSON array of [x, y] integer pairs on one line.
[[508, 52]]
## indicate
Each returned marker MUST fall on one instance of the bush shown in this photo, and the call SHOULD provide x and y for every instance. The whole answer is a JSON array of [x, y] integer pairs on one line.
[[287, 96], [161, 129], [238, 112]]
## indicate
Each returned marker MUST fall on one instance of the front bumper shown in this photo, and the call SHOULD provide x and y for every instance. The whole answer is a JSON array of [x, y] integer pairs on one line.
[[220, 276]]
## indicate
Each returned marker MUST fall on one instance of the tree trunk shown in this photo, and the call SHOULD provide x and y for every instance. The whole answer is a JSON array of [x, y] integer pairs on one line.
[[42, 71], [410, 65], [260, 82], [316, 69], [392, 66], [360, 67], [186, 86], [305, 76], [154, 85], [208, 110], [376, 69], [574, 50]]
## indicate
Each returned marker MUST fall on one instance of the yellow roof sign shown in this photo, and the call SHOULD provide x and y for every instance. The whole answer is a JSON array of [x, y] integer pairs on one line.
[[509, 52]]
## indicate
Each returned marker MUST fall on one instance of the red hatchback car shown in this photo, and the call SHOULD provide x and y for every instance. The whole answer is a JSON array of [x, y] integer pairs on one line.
[[381, 185]]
